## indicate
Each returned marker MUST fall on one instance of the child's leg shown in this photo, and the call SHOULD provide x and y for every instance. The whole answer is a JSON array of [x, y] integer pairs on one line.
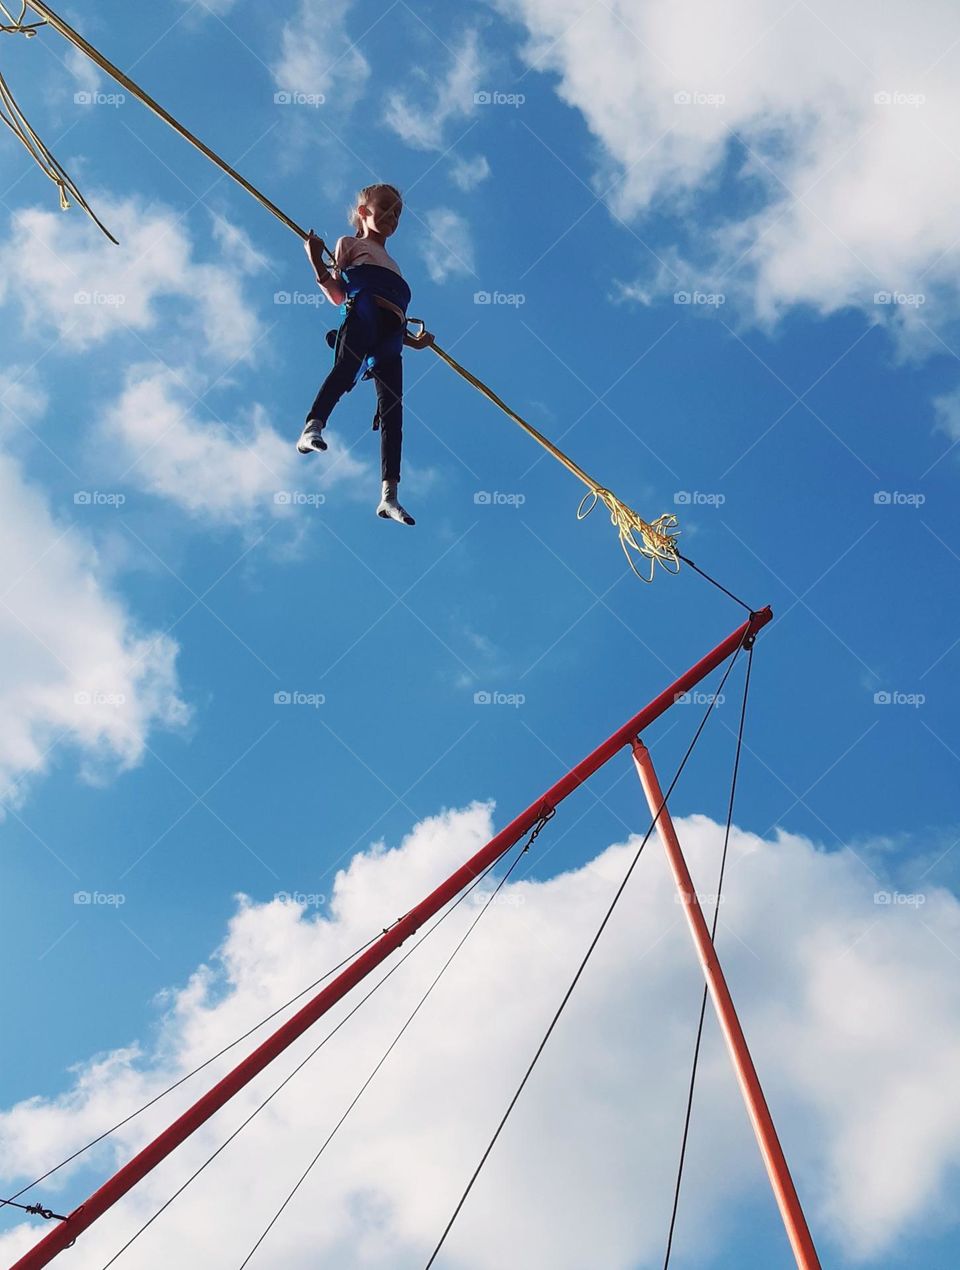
[[388, 375], [388, 372], [354, 343]]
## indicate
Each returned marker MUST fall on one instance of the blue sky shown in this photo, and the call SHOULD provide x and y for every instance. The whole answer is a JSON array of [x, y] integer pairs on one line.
[[803, 430]]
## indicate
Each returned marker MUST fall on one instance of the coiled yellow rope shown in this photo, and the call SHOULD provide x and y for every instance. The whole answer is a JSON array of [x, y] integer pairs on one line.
[[652, 540]]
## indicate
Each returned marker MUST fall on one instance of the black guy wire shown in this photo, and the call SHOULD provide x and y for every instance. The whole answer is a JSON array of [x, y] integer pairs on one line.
[[714, 582], [713, 934], [176, 1084], [489, 900], [36, 1209], [593, 943], [476, 882]]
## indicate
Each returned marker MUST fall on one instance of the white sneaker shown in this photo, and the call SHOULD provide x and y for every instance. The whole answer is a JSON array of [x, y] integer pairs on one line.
[[312, 437], [390, 509]]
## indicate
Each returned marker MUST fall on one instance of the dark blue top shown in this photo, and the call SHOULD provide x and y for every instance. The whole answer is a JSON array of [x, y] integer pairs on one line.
[[378, 279]]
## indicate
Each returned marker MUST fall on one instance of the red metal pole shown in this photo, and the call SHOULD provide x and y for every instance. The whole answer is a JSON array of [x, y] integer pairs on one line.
[[117, 1186], [763, 1126]]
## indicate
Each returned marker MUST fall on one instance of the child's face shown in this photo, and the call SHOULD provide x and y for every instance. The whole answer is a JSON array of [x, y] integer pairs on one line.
[[381, 213]]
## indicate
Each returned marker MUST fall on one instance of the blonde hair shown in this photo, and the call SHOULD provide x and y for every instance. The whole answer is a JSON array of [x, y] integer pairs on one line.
[[363, 196]]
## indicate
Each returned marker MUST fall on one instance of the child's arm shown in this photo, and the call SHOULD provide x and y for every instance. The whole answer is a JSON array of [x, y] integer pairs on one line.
[[329, 284]]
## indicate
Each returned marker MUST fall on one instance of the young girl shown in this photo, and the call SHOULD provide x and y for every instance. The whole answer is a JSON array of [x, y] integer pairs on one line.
[[367, 283]]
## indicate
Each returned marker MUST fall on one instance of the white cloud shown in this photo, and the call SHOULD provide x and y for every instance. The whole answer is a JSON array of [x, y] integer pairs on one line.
[[846, 196], [164, 441], [77, 670], [236, 244], [423, 126], [448, 252], [84, 71], [66, 276], [947, 409], [468, 173], [851, 1008], [22, 397], [318, 56]]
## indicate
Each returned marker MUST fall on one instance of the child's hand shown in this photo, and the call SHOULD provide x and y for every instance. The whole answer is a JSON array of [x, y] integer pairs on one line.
[[313, 246]]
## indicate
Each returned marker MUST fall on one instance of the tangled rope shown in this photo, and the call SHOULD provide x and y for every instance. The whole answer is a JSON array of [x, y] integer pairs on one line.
[[20, 126], [17, 26]]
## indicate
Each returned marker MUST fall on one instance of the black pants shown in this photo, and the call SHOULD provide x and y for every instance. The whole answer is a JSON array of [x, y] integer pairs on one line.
[[368, 329]]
